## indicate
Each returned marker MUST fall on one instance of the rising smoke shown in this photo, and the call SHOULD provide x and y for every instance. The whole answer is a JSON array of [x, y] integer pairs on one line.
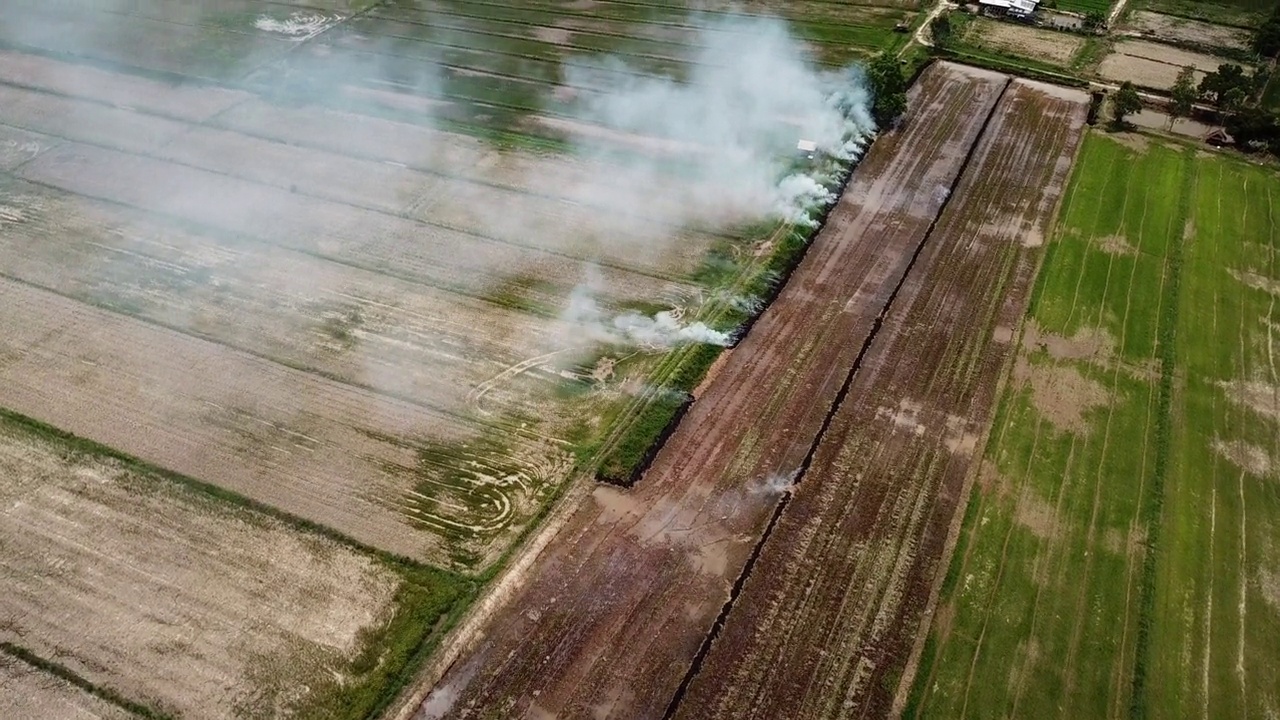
[[751, 95], [711, 149], [733, 124]]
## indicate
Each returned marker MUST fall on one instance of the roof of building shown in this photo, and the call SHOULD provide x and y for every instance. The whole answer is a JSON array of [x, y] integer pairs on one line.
[[806, 146], [1022, 6]]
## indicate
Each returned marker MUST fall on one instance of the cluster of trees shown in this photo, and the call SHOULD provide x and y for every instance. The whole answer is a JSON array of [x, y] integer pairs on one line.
[[940, 28], [888, 89], [1230, 89], [1267, 40], [1233, 92]]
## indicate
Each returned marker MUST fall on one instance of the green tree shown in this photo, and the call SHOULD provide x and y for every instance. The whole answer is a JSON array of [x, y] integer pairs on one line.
[[1217, 84], [1184, 95], [1125, 102], [940, 28], [1094, 20], [888, 89], [1267, 41]]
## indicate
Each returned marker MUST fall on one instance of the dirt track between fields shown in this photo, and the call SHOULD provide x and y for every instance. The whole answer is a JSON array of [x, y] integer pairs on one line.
[[617, 606]]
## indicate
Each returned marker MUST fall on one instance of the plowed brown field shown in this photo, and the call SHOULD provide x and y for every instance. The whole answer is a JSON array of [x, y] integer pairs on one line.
[[616, 608], [826, 619]]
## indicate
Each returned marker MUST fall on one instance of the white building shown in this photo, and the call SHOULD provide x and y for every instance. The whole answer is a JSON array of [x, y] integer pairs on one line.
[[1020, 9]]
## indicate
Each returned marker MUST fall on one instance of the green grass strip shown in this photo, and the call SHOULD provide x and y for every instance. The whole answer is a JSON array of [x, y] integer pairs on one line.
[[1153, 508]]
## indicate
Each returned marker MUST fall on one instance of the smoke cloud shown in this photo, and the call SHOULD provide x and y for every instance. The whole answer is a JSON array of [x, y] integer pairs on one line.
[[734, 124], [649, 159], [586, 323]]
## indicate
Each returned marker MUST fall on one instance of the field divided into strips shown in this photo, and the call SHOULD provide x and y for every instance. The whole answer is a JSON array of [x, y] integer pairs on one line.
[[1215, 619], [613, 611], [1120, 533], [168, 601], [278, 242], [827, 617]]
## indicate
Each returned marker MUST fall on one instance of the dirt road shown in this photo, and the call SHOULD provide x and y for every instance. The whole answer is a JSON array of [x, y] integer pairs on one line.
[[618, 605]]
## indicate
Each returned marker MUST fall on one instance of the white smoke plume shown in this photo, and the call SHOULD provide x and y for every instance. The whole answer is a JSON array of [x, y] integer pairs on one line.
[[586, 322], [734, 123], [647, 158], [774, 483]]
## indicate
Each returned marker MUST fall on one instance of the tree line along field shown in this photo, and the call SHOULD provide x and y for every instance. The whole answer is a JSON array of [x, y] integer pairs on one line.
[[1118, 556]]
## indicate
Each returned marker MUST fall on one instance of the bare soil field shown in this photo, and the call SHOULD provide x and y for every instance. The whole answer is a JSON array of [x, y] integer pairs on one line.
[[829, 613], [614, 610], [1152, 65], [26, 692], [1170, 27], [169, 597], [1030, 42]]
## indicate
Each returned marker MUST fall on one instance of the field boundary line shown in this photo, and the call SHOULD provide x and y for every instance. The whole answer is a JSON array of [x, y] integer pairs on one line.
[[1099, 479], [102, 692], [212, 122], [315, 372], [736, 590], [216, 492], [1136, 521], [327, 199]]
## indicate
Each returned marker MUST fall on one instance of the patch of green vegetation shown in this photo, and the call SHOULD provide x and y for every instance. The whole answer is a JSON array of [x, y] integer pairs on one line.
[[427, 604], [1271, 94], [624, 459], [1000, 62], [341, 325], [524, 292], [1107, 564], [1238, 13], [1085, 6], [1090, 54], [741, 276], [1213, 628], [1042, 589]]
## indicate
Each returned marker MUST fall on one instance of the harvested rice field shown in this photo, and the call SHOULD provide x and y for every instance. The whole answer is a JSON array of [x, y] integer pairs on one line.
[[704, 547], [312, 312], [169, 600], [1152, 65]]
